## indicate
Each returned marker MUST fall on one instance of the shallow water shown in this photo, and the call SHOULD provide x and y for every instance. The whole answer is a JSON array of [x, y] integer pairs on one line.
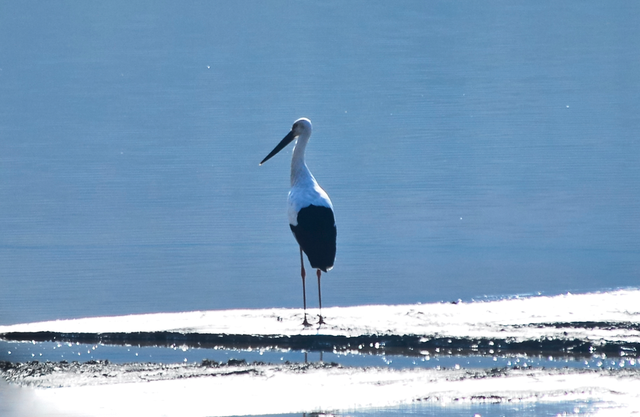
[[61, 351], [13, 397]]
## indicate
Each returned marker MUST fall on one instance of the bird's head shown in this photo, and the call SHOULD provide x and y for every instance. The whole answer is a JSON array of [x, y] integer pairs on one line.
[[301, 127]]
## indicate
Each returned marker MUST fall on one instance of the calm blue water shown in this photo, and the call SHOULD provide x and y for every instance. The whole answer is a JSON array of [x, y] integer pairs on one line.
[[470, 149]]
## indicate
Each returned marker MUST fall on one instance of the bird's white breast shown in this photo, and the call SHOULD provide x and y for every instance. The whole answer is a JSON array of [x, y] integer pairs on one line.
[[305, 195]]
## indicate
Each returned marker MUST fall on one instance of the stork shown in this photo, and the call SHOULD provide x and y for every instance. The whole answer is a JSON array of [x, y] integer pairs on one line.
[[310, 211]]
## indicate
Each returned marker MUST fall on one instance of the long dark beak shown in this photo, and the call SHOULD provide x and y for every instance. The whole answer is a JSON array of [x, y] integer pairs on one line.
[[284, 142]]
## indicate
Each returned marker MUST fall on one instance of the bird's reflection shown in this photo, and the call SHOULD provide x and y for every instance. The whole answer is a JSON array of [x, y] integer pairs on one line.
[[320, 358]]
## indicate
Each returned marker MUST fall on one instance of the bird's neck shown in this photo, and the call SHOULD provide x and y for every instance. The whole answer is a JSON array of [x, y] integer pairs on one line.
[[300, 174]]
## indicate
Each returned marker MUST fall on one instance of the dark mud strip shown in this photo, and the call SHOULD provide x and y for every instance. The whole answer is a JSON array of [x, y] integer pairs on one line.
[[408, 345], [587, 325]]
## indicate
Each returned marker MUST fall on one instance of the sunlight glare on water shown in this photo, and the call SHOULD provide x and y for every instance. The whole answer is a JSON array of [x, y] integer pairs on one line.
[[66, 351], [465, 410]]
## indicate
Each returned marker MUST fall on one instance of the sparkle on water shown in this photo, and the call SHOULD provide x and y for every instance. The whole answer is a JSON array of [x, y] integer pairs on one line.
[[66, 351]]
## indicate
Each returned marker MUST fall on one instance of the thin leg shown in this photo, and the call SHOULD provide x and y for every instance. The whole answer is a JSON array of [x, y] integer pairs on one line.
[[318, 273], [304, 293]]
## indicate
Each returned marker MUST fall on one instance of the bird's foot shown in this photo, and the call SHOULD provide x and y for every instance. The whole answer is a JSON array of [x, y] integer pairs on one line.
[[305, 323], [321, 321]]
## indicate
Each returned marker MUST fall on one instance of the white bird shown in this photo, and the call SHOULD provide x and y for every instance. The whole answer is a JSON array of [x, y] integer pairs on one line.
[[310, 211]]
